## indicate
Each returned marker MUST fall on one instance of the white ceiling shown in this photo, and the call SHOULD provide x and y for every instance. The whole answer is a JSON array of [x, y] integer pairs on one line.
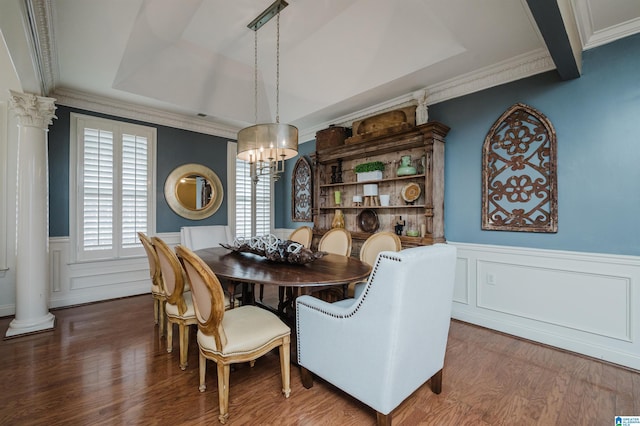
[[336, 56]]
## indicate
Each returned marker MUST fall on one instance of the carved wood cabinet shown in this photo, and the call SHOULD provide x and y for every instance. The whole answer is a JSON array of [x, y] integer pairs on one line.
[[424, 144]]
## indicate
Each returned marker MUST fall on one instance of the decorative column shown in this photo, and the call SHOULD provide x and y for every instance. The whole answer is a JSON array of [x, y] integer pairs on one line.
[[35, 114]]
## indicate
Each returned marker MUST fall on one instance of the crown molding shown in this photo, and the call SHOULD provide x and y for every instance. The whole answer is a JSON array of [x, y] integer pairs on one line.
[[104, 105], [591, 38], [519, 67], [611, 34], [522, 66], [40, 21]]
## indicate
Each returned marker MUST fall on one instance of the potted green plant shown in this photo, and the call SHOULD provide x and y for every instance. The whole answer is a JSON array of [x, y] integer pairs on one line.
[[369, 171]]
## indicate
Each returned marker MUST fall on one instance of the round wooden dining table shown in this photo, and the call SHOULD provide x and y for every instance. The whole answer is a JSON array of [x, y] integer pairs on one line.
[[329, 270]]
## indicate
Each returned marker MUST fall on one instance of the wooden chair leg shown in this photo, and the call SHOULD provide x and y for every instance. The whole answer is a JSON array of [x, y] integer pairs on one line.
[[436, 383], [184, 346], [223, 391], [384, 419], [306, 377], [285, 366], [156, 308], [202, 367], [169, 336], [162, 318]]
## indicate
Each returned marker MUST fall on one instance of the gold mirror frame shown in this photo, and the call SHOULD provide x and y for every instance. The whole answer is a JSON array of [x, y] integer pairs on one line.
[[171, 195]]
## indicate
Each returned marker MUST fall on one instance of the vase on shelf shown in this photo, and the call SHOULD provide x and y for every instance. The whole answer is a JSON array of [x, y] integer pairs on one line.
[[406, 168], [338, 219]]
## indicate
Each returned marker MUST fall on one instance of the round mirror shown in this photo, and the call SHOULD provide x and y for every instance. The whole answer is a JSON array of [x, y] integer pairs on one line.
[[193, 191]]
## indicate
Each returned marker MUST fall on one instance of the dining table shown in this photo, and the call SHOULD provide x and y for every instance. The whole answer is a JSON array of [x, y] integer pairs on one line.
[[329, 271]]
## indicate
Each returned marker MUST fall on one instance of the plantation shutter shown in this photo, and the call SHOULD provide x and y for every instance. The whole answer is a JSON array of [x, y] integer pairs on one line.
[[263, 206], [114, 183], [244, 212], [135, 194], [97, 199]]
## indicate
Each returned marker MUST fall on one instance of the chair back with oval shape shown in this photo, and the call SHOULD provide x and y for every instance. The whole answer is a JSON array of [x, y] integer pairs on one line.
[[207, 295], [302, 235], [336, 241], [172, 275], [382, 241], [152, 257], [179, 306], [157, 292]]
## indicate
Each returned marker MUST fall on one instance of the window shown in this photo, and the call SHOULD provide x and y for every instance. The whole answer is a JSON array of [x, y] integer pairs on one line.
[[252, 220], [112, 192]]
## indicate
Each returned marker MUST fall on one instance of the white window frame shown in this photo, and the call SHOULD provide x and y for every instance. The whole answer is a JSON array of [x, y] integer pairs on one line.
[[77, 123], [233, 195]]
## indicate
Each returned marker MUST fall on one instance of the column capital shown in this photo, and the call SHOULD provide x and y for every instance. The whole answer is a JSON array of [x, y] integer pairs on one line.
[[32, 110]]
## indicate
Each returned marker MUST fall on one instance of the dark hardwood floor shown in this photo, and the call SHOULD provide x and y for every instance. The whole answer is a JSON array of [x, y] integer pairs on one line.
[[104, 364]]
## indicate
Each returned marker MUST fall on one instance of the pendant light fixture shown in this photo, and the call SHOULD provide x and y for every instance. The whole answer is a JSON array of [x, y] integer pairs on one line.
[[265, 146]]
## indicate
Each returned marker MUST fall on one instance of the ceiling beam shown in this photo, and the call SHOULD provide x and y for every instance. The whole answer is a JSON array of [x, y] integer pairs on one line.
[[558, 36]]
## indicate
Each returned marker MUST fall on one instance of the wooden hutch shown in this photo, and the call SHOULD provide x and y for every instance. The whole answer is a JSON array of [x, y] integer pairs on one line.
[[424, 143]]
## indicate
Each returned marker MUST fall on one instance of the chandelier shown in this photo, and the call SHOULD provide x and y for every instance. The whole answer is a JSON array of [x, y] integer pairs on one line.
[[265, 146]]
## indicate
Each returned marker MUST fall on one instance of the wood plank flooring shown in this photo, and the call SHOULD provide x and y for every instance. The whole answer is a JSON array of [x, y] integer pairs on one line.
[[104, 364]]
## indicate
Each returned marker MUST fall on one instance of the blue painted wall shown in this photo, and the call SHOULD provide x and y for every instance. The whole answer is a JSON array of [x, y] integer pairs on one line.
[[174, 148], [597, 122]]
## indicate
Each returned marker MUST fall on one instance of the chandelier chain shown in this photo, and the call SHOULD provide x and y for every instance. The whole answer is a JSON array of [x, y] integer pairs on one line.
[[255, 78], [278, 68]]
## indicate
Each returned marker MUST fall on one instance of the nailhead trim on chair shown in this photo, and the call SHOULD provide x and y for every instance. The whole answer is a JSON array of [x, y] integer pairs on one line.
[[362, 299]]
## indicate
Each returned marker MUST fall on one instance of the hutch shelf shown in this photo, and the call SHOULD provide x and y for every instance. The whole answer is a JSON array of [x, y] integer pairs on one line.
[[424, 144]]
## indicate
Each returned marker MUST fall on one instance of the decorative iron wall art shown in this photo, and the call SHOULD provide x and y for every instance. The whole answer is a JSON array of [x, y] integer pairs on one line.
[[301, 192], [519, 188]]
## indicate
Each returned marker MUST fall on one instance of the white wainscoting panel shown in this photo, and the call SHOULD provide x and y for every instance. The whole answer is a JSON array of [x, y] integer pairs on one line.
[[78, 283], [461, 287], [583, 302]]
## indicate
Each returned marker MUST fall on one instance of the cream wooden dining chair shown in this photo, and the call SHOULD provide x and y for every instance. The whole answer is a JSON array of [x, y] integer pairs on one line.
[[157, 292], [237, 335], [336, 241], [376, 243], [179, 306], [302, 235]]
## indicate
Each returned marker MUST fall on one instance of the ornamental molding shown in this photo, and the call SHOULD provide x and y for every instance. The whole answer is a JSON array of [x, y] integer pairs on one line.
[[591, 38], [96, 103], [519, 67], [41, 17], [32, 110]]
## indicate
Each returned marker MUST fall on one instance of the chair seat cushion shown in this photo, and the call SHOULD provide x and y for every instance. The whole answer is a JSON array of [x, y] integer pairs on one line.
[[247, 328], [172, 310], [155, 289]]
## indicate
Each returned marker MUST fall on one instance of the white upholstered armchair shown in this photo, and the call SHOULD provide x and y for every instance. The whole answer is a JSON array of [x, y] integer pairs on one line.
[[199, 237], [381, 346]]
